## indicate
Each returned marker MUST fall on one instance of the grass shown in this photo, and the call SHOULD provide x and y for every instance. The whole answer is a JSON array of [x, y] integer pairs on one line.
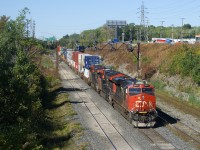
[[192, 100], [182, 106], [65, 131], [159, 85], [62, 131]]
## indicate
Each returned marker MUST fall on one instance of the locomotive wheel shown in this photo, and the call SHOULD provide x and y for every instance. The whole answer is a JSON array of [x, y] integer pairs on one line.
[[113, 105]]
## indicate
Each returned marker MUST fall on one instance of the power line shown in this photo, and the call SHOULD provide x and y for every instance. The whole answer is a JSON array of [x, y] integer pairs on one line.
[[182, 28]]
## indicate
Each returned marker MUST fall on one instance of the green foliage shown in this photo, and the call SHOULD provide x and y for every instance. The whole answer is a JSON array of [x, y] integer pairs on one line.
[[159, 85], [21, 88], [104, 33], [3, 21], [186, 63], [194, 101], [87, 37], [187, 26]]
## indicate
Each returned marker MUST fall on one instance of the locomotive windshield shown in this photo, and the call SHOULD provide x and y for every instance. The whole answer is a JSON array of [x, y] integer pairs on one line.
[[148, 91], [134, 91]]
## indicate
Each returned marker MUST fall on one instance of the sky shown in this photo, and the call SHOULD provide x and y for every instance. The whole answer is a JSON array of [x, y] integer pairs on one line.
[[61, 17]]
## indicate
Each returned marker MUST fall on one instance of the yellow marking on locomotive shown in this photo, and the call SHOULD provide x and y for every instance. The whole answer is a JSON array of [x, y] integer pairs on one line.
[[142, 112]]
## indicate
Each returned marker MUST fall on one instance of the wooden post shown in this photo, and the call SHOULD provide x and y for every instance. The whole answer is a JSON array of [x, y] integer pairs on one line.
[[138, 61], [57, 56]]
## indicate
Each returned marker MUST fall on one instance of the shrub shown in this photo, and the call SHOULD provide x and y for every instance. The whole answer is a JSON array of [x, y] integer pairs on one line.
[[186, 63]]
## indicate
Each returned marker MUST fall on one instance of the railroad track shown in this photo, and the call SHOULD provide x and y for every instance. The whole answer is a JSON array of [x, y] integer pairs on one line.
[[105, 124], [116, 139], [157, 139], [186, 133]]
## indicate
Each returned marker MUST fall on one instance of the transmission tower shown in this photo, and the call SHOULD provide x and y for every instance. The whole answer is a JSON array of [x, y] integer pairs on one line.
[[142, 23]]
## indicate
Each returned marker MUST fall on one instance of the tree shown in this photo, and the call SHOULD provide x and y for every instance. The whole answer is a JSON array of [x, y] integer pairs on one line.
[[20, 86], [187, 26], [3, 21]]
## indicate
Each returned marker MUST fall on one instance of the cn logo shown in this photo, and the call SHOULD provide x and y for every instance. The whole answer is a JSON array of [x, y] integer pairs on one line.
[[140, 103]]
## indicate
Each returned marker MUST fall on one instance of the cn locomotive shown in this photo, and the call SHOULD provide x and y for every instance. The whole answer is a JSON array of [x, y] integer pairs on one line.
[[133, 98]]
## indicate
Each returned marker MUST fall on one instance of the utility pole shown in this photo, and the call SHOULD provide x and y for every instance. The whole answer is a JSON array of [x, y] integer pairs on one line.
[[161, 28], [172, 32], [123, 35], [57, 49], [182, 29], [147, 32], [27, 27], [33, 29], [137, 35], [131, 35], [138, 61]]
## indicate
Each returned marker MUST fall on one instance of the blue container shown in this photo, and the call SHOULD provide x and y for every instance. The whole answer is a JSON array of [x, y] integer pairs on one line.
[[65, 53], [91, 60]]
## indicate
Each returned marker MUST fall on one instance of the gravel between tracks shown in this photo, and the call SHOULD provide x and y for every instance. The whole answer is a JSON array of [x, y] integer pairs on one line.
[[132, 135], [186, 119]]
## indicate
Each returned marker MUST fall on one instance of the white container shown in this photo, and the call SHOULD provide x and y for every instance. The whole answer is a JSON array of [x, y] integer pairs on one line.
[[79, 58], [86, 73], [80, 69], [69, 55], [73, 63]]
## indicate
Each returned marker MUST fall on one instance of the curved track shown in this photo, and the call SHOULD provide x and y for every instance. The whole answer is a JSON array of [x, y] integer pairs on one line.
[[107, 129], [114, 137]]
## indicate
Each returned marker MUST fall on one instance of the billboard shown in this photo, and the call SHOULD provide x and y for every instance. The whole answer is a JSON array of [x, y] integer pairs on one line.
[[114, 23]]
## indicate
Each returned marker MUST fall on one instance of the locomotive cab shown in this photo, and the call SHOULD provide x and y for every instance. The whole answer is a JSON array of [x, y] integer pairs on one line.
[[141, 103]]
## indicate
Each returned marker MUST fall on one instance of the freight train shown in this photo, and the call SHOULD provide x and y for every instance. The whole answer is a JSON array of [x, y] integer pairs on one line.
[[133, 98]]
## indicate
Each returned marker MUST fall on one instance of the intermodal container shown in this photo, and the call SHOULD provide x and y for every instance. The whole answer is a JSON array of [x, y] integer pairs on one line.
[[69, 56], [91, 60], [86, 73], [76, 56]]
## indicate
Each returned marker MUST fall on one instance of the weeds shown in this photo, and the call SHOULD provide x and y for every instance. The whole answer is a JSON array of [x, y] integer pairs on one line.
[[159, 85], [194, 101]]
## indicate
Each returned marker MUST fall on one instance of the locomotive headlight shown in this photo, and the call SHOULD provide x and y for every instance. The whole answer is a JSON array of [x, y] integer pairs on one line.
[[142, 97]]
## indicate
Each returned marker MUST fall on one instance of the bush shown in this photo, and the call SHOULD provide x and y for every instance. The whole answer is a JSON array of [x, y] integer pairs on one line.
[[186, 63]]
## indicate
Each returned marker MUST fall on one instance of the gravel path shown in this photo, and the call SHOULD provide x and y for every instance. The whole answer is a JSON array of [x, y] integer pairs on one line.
[[93, 134]]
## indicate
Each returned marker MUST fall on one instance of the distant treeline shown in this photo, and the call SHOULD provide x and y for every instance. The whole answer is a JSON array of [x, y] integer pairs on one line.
[[132, 32]]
